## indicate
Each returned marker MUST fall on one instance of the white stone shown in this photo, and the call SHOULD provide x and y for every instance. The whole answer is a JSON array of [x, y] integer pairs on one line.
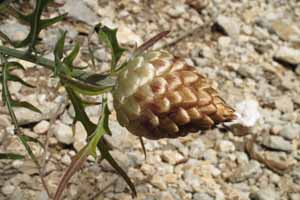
[[66, 159], [247, 112], [226, 146], [8, 189], [41, 127], [63, 133], [289, 55]]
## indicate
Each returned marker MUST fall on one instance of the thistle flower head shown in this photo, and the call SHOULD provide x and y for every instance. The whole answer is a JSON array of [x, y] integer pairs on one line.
[[160, 96]]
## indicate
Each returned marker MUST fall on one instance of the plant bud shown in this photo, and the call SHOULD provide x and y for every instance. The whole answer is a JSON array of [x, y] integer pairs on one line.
[[160, 96]]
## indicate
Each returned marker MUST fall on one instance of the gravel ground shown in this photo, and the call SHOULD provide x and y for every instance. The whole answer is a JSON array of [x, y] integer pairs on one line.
[[251, 52]]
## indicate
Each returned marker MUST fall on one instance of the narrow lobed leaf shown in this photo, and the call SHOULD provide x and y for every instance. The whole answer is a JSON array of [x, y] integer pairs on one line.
[[11, 156], [109, 37]]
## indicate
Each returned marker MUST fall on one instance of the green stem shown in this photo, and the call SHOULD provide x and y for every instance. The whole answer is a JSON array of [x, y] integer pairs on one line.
[[28, 57]]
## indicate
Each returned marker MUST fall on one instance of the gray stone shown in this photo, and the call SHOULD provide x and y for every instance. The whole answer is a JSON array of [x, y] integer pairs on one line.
[[14, 30], [80, 11], [230, 25], [8, 189], [286, 30], [277, 143], [284, 104], [245, 171], [290, 131], [265, 194], [202, 196]]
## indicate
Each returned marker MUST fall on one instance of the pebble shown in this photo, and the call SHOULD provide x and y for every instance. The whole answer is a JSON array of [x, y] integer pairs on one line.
[[63, 133], [229, 25], [66, 159], [286, 30], [80, 11], [158, 182], [225, 146], [247, 112], [80, 136], [277, 143], [265, 194], [8, 189], [288, 55], [290, 131], [245, 171], [202, 196], [284, 104], [171, 157], [41, 127]]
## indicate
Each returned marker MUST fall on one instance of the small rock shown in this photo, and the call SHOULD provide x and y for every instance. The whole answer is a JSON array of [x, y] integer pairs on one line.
[[229, 25], [284, 104], [4, 121], [8, 189], [41, 127], [158, 182], [294, 196], [286, 30], [247, 112], [80, 11], [80, 136], [245, 171], [198, 5], [210, 155], [297, 70], [66, 159], [126, 36], [63, 133], [177, 10], [290, 131], [14, 31], [224, 41], [197, 147], [288, 55], [277, 143], [265, 194], [165, 196], [225, 146], [202, 196], [171, 157]]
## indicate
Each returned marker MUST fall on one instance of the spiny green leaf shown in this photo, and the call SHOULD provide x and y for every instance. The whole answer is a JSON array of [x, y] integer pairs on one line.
[[11, 156], [107, 156], [101, 129], [59, 46], [89, 149], [6, 97], [36, 25], [85, 88], [44, 23], [15, 65], [24, 140], [68, 60], [15, 78], [25, 104], [80, 114], [109, 37]]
